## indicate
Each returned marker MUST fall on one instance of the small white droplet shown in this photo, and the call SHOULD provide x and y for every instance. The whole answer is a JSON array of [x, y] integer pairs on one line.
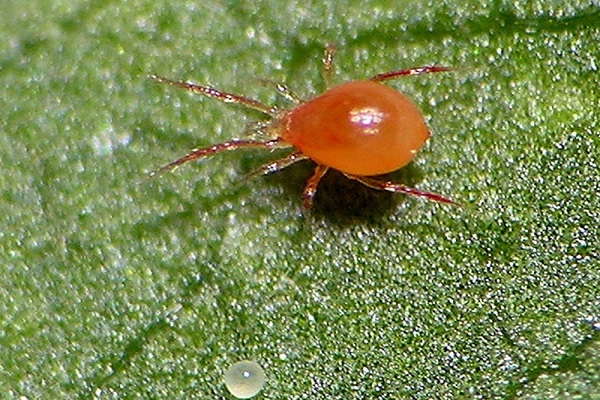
[[244, 379]]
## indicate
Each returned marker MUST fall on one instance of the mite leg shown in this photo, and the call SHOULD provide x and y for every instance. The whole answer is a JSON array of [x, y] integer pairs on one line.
[[397, 188], [282, 89], [411, 71], [217, 148], [328, 64], [311, 186], [217, 94], [278, 165]]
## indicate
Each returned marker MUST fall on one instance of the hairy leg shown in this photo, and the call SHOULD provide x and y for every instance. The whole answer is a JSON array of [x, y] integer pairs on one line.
[[217, 148], [411, 71], [217, 94], [397, 188], [311, 186], [279, 164], [328, 63], [282, 89]]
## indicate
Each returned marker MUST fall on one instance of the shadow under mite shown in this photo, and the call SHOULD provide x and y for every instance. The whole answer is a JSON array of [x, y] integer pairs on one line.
[[341, 199]]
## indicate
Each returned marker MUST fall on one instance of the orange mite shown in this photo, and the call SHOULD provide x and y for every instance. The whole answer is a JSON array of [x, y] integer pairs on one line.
[[360, 128]]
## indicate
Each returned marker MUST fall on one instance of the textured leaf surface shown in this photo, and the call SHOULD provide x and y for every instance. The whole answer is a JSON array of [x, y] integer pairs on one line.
[[116, 286]]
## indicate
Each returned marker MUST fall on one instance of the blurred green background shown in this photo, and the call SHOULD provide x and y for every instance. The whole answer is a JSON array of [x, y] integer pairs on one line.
[[117, 286]]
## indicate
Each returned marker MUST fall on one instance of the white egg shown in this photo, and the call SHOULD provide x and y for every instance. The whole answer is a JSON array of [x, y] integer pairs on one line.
[[244, 379]]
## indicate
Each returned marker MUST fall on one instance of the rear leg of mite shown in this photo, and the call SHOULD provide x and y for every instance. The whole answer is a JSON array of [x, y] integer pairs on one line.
[[398, 188]]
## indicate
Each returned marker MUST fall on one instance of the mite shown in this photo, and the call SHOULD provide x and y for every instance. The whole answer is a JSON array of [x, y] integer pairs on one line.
[[361, 128]]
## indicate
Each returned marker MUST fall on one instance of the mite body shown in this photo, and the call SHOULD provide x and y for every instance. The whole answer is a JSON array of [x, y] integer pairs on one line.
[[360, 128]]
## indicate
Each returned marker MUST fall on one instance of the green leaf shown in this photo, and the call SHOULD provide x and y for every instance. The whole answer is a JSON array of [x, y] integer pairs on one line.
[[119, 286]]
